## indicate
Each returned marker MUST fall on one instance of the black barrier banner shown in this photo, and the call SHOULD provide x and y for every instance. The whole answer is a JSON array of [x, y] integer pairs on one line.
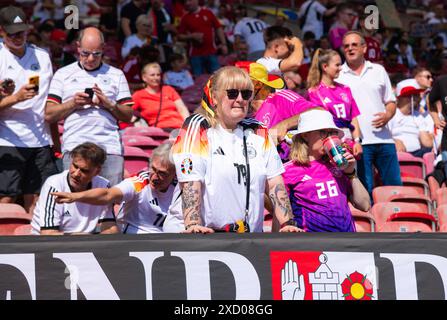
[[325, 266]]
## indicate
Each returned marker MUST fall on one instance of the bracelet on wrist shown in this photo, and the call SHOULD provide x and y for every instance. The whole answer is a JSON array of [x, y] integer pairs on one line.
[[351, 175], [289, 222], [191, 225]]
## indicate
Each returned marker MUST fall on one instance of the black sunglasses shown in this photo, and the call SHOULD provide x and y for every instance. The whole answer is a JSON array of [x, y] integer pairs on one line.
[[234, 93]]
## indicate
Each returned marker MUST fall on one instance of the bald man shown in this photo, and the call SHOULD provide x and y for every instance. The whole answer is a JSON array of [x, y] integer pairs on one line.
[[91, 97]]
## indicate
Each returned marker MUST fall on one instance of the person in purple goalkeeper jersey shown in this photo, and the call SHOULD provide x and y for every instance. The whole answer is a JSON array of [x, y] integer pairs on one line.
[[319, 192], [334, 97]]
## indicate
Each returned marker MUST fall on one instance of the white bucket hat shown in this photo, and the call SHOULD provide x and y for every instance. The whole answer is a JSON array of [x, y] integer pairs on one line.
[[317, 119]]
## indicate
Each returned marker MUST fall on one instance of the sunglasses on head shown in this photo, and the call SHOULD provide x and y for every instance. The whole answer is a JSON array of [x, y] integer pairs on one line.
[[232, 94]]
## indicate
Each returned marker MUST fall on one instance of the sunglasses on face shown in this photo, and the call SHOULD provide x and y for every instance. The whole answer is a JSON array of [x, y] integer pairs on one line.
[[353, 45], [95, 54], [16, 35], [327, 133], [232, 94]]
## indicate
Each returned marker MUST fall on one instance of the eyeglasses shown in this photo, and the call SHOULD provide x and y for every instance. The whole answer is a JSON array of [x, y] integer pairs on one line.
[[428, 77], [327, 133], [232, 94], [95, 54], [16, 35], [354, 45]]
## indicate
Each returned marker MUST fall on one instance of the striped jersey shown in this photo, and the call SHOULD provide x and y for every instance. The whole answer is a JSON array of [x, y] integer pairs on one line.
[[68, 217], [144, 209], [90, 123], [215, 156], [23, 125]]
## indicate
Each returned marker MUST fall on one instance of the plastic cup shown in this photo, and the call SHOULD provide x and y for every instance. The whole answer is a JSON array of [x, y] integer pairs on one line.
[[333, 148]]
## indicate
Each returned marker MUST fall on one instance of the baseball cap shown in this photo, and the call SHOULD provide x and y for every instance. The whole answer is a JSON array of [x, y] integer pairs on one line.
[[407, 88], [258, 72], [58, 35], [12, 20], [316, 119]]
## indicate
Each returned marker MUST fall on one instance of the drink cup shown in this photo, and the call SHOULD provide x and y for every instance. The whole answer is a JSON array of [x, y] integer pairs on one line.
[[333, 148]]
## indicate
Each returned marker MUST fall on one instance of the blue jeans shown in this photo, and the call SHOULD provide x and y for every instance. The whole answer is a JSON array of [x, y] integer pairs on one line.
[[384, 158], [204, 64], [112, 169]]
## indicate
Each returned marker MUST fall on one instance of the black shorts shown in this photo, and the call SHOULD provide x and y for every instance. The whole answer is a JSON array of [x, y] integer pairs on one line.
[[438, 173], [24, 170]]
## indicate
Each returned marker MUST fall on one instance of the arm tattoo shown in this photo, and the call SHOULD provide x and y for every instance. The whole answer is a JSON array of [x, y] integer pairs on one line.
[[281, 200], [191, 203]]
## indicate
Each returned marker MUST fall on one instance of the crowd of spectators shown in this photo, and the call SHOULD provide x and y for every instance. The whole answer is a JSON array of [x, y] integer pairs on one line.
[[136, 62]]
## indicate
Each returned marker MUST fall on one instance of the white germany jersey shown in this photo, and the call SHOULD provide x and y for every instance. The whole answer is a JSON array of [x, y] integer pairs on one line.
[[23, 125], [251, 30], [271, 64], [68, 217], [144, 209], [91, 123], [215, 157]]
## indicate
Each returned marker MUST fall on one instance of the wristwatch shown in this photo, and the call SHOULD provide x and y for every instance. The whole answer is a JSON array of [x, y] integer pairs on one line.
[[358, 140], [290, 222]]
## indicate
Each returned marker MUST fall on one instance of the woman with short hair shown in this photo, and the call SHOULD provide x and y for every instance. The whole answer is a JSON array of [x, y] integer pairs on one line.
[[159, 105]]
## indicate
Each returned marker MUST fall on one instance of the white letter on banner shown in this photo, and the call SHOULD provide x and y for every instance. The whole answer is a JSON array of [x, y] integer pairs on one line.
[[25, 264], [197, 267], [405, 272], [92, 281], [147, 258]]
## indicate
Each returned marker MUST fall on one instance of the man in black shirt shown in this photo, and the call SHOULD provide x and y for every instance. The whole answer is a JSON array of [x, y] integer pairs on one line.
[[129, 15], [439, 93]]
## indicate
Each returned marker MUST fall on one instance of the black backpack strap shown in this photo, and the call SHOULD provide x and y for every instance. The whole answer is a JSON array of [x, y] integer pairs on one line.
[[304, 18]]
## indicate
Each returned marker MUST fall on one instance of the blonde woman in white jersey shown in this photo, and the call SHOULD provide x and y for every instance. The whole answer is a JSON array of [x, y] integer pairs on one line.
[[225, 162]]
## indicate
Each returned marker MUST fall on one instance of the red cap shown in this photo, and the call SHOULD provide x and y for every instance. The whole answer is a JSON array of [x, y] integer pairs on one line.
[[58, 35]]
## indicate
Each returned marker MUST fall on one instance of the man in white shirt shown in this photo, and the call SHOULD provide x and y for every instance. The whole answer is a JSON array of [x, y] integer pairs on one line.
[[146, 198], [53, 217], [311, 16], [371, 88], [251, 30], [409, 128], [26, 159], [91, 97], [283, 52]]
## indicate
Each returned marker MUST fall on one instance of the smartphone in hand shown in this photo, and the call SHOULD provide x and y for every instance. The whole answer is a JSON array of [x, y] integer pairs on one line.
[[90, 92], [35, 81]]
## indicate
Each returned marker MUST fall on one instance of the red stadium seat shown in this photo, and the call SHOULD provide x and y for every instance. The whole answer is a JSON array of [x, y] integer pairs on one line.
[[364, 221], [411, 166], [441, 212], [384, 212], [441, 196], [401, 194], [429, 159], [135, 160], [23, 230], [433, 185], [12, 216], [153, 132], [420, 184], [404, 226], [147, 144], [200, 81]]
